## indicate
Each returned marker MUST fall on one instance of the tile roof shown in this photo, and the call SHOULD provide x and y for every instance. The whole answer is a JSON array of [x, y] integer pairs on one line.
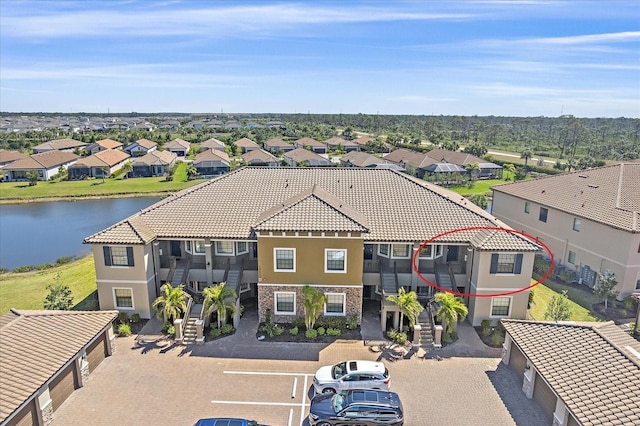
[[156, 158], [415, 159], [108, 157], [397, 207], [455, 157], [302, 142], [35, 345], [277, 143], [335, 141], [44, 160], [7, 156], [109, 143], [300, 155], [177, 143], [609, 195], [211, 155], [246, 143], [59, 144], [146, 143], [362, 159], [593, 367], [259, 156], [212, 143]]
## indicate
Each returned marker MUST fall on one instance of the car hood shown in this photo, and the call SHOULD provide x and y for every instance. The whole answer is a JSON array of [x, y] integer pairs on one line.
[[324, 374], [322, 405]]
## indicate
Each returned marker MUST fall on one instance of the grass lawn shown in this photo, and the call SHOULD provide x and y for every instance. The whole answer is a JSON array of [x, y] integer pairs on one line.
[[21, 191], [480, 187], [28, 290], [543, 294]]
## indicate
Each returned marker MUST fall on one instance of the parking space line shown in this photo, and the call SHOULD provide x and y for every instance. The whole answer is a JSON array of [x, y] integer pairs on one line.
[[291, 417], [282, 404], [304, 401], [267, 373]]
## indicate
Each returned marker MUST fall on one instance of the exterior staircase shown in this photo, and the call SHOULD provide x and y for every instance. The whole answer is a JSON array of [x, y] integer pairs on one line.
[[234, 277], [181, 273], [388, 281], [444, 278], [426, 332], [190, 329]]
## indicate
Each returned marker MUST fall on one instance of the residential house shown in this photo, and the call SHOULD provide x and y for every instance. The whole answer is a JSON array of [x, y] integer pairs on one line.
[[260, 157], [578, 373], [212, 163], [212, 143], [363, 159], [101, 164], [338, 143], [46, 165], [246, 145], [488, 170], [311, 144], [65, 145], [45, 357], [102, 145], [362, 142], [302, 157], [590, 219], [277, 145], [155, 163], [141, 147], [178, 146], [420, 164], [352, 233], [414, 162], [7, 157]]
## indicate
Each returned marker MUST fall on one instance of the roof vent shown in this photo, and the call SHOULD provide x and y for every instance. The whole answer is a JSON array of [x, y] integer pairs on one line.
[[544, 190], [593, 186], [583, 176]]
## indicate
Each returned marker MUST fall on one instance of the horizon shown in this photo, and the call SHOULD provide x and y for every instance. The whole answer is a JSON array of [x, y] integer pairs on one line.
[[482, 58]]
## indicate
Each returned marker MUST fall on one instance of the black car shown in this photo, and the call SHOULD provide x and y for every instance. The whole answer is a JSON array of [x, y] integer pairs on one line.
[[226, 422], [357, 406]]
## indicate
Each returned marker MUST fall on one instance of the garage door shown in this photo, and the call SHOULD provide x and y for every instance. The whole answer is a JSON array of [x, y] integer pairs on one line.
[[27, 416], [63, 386], [517, 361], [96, 353], [544, 396]]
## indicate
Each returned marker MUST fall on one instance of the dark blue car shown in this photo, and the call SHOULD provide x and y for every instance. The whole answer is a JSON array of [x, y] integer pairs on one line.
[[356, 407]]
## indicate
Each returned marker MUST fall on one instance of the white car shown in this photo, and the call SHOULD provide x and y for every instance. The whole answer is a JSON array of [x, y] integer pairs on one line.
[[351, 375]]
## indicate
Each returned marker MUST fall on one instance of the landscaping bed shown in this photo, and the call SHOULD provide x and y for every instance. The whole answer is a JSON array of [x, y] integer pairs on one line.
[[325, 330]]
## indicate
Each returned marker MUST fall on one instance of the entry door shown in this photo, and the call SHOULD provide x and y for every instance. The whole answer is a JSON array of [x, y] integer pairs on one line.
[[452, 253], [368, 252], [175, 249]]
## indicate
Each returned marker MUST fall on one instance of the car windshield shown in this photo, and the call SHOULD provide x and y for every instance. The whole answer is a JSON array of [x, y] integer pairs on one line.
[[339, 370], [339, 402]]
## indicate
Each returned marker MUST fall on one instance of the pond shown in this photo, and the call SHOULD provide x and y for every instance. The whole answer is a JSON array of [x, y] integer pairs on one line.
[[37, 233]]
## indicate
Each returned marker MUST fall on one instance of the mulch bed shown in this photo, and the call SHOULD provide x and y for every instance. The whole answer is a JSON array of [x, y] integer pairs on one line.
[[347, 334]]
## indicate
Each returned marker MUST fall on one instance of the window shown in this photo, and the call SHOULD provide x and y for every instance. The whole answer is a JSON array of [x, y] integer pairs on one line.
[[334, 304], [543, 214], [500, 306], [242, 247], [224, 248], [571, 258], [400, 250], [383, 250], [576, 224], [195, 247], [527, 207], [285, 302], [118, 256], [427, 252], [335, 260], [506, 263], [638, 281], [284, 259], [123, 298]]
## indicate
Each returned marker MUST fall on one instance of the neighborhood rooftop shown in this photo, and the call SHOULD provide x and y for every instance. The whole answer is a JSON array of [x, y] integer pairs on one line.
[[397, 207], [609, 195]]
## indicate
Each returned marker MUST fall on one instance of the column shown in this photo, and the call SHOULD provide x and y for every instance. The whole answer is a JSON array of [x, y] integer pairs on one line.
[[209, 260]]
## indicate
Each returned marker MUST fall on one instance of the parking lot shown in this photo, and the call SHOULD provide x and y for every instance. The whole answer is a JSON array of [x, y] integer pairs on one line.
[[272, 383]]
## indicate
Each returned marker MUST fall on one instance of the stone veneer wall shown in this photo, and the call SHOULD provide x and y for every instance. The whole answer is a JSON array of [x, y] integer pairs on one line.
[[266, 301]]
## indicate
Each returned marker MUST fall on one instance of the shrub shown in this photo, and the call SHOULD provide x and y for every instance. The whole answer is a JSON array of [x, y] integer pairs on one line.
[[446, 338], [628, 303], [270, 329], [123, 318], [332, 322], [277, 331], [398, 337], [166, 326], [124, 330], [333, 332], [215, 332], [353, 321], [531, 295], [171, 331], [25, 268], [500, 328], [294, 331], [135, 318], [485, 327], [227, 329], [311, 334], [321, 331], [64, 260], [298, 322], [45, 266], [497, 339], [3, 270]]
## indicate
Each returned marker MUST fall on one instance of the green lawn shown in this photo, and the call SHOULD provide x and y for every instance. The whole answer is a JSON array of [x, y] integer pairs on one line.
[[28, 290], [543, 295], [21, 191], [480, 187]]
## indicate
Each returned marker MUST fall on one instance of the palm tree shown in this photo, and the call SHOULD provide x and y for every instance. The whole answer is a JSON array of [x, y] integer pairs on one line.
[[526, 154], [171, 303], [473, 169], [452, 309], [216, 299], [192, 172], [127, 168], [313, 303], [511, 169], [407, 304], [105, 172]]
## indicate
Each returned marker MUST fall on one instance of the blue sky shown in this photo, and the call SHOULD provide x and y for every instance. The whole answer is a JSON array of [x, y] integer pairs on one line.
[[512, 58]]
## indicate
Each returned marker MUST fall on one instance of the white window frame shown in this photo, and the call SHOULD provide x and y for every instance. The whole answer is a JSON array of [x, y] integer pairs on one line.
[[436, 251], [408, 248], [275, 259], [190, 247], [577, 224], [275, 302], [569, 260], [513, 264], [344, 305], [224, 253], [326, 261], [115, 299], [527, 207], [380, 253], [509, 310], [246, 247]]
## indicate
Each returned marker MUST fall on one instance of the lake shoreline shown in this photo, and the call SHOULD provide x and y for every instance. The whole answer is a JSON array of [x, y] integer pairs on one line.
[[71, 198]]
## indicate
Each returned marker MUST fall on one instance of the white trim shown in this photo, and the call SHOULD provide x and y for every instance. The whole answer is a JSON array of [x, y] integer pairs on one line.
[[246, 244], [344, 306], [275, 259], [508, 312], [388, 255], [310, 285], [500, 289], [115, 300], [326, 259], [126, 281], [275, 303], [434, 249], [312, 236], [408, 256], [233, 248]]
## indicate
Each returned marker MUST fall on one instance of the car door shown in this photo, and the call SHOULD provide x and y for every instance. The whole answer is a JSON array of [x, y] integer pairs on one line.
[[352, 416], [350, 381]]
